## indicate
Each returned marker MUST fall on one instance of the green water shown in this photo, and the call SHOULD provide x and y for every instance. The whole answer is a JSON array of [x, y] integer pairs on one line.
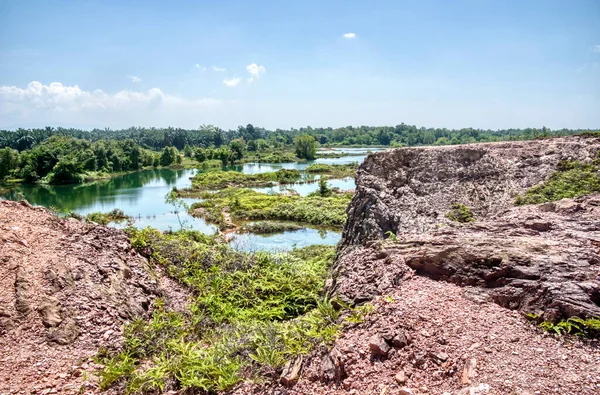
[[141, 195]]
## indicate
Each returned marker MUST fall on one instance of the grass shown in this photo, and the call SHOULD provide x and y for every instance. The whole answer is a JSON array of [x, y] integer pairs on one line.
[[334, 171], [570, 180], [115, 215], [228, 179], [460, 213], [246, 204], [273, 157], [269, 227], [251, 313]]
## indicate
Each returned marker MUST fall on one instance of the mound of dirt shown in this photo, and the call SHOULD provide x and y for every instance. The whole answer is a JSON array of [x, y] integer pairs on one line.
[[66, 289]]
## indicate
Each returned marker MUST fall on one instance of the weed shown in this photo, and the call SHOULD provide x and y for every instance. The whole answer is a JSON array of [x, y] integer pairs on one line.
[[574, 326], [391, 236], [460, 213]]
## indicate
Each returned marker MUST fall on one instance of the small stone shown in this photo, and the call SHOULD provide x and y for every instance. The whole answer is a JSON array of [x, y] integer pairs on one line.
[[378, 345], [401, 339], [439, 356], [469, 371], [405, 391], [291, 372], [400, 377]]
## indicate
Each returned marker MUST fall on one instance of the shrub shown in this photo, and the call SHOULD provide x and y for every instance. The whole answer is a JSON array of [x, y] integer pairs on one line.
[[460, 213]]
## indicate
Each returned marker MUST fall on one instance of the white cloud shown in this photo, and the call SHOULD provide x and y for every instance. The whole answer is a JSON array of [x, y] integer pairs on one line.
[[134, 79], [349, 35], [596, 48], [255, 71], [216, 68], [56, 103], [200, 67], [232, 82]]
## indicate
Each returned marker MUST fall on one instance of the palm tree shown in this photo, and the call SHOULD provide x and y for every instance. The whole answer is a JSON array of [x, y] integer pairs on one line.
[[23, 139]]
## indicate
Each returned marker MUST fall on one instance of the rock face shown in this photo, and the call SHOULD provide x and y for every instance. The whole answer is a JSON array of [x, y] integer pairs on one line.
[[540, 258], [411, 189], [66, 289]]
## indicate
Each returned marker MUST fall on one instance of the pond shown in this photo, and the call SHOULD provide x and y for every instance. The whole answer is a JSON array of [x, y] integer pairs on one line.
[[141, 195]]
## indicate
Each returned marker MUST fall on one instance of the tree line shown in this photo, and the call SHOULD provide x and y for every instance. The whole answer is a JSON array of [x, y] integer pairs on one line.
[[259, 139], [64, 156]]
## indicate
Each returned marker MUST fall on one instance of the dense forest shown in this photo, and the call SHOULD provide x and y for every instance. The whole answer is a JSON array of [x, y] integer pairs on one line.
[[62, 156]]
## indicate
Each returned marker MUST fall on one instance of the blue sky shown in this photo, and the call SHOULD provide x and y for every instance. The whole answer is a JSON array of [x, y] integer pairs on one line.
[[476, 63]]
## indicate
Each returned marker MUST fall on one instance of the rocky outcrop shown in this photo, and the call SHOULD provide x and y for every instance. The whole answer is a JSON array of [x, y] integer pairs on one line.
[[411, 189], [540, 258], [66, 289]]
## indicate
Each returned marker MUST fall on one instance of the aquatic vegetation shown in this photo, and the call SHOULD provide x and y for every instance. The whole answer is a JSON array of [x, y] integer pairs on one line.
[[571, 179], [226, 179], [115, 215], [251, 313], [246, 204], [267, 227], [334, 171]]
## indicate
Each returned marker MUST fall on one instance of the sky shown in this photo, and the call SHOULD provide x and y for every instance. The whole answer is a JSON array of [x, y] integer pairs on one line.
[[280, 64]]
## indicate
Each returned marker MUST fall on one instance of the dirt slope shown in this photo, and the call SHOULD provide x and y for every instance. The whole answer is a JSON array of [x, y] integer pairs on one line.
[[66, 288]]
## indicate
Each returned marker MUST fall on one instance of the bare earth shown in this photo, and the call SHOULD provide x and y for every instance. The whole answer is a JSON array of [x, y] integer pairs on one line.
[[511, 355], [66, 289]]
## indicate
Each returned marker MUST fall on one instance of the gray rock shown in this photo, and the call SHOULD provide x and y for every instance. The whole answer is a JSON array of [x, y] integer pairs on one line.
[[332, 366]]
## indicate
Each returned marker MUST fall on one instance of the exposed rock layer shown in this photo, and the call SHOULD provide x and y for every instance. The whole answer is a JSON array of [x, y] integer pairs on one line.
[[411, 189], [542, 258]]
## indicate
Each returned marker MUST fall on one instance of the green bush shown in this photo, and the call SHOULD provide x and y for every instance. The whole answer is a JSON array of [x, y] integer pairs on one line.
[[460, 213]]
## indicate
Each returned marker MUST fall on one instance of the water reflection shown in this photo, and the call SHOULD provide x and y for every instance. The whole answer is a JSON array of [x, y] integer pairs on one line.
[[142, 195], [284, 241]]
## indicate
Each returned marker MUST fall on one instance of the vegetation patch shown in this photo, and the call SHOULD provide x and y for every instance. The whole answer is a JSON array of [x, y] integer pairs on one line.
[[115, 215], [226, 179], [334, 171], [251, 313], [246, 204], [571, 179], [460, 213], [588, 328], [269, 227]]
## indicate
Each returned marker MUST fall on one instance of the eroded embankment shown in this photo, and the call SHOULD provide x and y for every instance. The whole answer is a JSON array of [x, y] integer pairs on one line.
[[66, 288]]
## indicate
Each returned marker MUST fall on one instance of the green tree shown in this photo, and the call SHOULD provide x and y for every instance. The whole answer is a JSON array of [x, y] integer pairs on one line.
[[306, 147], [168, 156]]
